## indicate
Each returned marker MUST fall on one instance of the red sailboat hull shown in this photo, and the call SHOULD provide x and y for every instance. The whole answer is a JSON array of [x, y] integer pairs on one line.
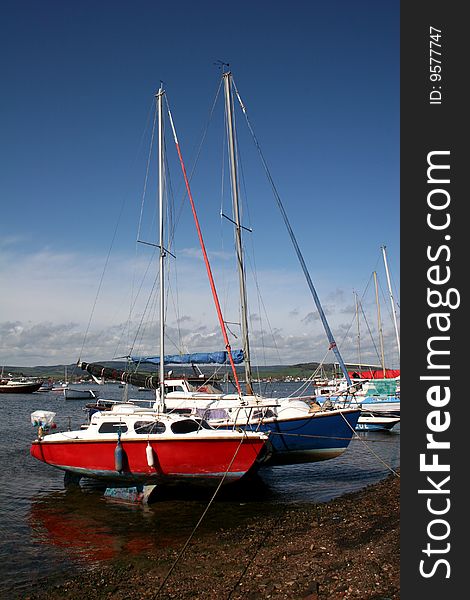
[[175, 460]]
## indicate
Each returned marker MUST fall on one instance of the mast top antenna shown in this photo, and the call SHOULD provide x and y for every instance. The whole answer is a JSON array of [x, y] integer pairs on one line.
[[222, 65]]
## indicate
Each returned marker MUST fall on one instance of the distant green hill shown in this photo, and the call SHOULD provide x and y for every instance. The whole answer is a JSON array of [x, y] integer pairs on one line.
[[73, 372]]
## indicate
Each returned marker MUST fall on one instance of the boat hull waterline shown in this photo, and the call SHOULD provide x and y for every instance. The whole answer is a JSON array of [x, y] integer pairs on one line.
[[376, 422], [195, 460]]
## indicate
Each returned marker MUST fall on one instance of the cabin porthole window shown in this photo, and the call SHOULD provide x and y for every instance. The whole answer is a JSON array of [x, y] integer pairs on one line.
[[186, 426], [149, 427], [112, 427]]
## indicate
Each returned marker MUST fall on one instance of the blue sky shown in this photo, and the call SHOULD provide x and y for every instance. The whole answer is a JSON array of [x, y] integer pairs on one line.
[[320, 81]]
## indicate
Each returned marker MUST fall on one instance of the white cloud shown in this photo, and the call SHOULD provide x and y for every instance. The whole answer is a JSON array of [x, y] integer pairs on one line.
[[50, 301], [196, 253]]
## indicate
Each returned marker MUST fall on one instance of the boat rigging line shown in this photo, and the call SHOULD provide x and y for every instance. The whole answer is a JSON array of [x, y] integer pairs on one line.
[[392, 300], [111, 246], [300, 257], [357, 436]]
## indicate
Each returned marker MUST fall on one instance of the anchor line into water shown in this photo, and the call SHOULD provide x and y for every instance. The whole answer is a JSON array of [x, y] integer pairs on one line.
[[278, 432], [390, 468], [310, 435], [330, 437], [186, 544]]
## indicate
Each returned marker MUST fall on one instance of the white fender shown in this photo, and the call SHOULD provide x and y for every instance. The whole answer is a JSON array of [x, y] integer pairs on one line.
[[150, 455]]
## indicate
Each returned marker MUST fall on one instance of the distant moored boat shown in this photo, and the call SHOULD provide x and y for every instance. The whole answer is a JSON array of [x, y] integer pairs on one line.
[[77, 394], [19, 386]]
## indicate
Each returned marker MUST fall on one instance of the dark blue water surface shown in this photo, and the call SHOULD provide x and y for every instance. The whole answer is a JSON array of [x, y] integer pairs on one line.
[[47, 532]]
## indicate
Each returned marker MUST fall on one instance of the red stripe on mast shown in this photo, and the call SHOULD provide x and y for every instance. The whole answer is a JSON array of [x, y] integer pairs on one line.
[[206, 260]]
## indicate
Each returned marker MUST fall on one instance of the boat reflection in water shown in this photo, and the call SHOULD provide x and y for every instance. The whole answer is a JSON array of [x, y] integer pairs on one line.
[[82, 529], [87, 529]]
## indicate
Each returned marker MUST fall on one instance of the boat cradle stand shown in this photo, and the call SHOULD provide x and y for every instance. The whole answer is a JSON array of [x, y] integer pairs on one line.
[[139, 493]]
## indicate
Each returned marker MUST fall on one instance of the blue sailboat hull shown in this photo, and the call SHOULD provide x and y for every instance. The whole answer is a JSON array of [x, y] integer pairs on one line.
[[316, 437]]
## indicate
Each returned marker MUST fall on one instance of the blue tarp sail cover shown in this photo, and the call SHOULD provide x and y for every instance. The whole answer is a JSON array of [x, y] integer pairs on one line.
[[198, 358]]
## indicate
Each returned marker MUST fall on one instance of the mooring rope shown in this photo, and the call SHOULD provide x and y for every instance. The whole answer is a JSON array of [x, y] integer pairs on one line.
[[379, 458], [186, 544]]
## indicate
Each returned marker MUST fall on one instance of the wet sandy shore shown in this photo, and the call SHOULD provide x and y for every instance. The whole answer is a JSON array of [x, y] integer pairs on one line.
[[344, 549]]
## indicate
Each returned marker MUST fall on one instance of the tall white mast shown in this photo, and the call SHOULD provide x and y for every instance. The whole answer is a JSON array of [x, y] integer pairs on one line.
[[161, 183], [238, 236], [358, 332], [379, 321], [392, 301]]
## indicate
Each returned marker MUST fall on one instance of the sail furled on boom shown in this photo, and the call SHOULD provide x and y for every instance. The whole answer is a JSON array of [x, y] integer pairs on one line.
[[196, 358], [146, 380]]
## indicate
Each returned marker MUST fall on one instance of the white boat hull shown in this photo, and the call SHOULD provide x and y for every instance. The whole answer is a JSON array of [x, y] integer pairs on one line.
[[71, 394], [376, 422]]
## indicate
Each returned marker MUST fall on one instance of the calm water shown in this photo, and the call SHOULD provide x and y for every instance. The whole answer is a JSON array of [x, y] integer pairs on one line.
[[48, 532]]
